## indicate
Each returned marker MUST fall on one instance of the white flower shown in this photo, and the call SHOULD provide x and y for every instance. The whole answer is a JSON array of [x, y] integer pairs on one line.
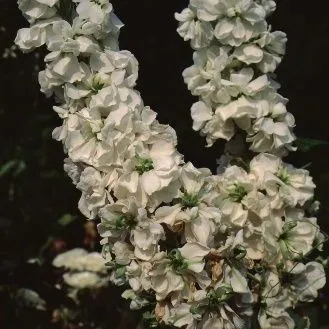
[[204, 77], [190, 28], [237, 195], [284, 321], [72, 170], [38, 9], [238, 20], [123, 253], [62, 68], [289, 239], [171, 273], [307, 280], [92, 183], [145, 238], [283, 183], [83, 280], [201, 114], [61, 38], [266, 52], [273, 132], [164, 279], [37, 35], [138, 276], [67, 258], [192, 209], [268, 5], [30, 298], [93, 262], [95, 11], [150, 171]]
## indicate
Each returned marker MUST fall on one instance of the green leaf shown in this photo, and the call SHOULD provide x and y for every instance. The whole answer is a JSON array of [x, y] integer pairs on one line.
[[21, 166], [307, 144], [5, 169], [66, 220]]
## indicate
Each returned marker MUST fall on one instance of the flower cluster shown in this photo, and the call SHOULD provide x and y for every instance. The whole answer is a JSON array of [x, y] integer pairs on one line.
[[236, 54], [83, 270], [192, 249]]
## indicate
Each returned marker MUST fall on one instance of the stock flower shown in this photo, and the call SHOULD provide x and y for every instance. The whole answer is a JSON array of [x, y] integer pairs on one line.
[[152, 169], [190, 28], [83, 280], [284, 184], [170, 272], [307, 280], [94, 10], [273, 132], [289, 239], [204, 78], [191, 210], [38, 9], [238, 20], [197, 243], [67, 258], [37, 35], [93, 185], [60, 69], [266, 52], [234, 186]]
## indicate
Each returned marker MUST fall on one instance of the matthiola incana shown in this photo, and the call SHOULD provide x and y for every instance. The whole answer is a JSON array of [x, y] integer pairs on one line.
[[236, 63], [192, 249]]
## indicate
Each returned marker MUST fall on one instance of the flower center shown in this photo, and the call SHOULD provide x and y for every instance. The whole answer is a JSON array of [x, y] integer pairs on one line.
[[219, 296], [283, 175], [177, 261], [190, 200], [124, 221], [238, 193], [97, 83], [144, 165]]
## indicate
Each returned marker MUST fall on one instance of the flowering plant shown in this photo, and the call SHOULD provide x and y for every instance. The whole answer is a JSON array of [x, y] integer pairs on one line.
[[192, 249]]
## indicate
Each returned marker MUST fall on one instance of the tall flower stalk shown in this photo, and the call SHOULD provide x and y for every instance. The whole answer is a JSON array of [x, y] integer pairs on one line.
[[192, 249]]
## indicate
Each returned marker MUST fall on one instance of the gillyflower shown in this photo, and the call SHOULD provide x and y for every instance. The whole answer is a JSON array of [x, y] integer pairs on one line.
[[124, 219], [83, 280], [93, 185], [266, 52], [61, 68], [213, 125], [96, 11], [38, 9], [191, 214], [67, 259], [35, 36], [138, 276], [61, 38], [284, 184], [190, 28], [204, 78], [273, 132], [152, 169], [238, 195], [119, 69], [306, 281], [83, 269], [289, 239], [238, 20], [208, 310], [171, 272], [268, 5]]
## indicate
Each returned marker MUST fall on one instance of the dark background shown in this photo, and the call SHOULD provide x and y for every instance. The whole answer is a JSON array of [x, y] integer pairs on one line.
[[34, 191]]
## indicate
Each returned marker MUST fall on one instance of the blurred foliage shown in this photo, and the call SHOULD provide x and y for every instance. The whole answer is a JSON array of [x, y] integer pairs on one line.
[[38, 213]]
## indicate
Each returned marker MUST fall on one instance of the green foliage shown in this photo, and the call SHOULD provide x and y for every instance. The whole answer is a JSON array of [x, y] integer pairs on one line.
[[308, 144]]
